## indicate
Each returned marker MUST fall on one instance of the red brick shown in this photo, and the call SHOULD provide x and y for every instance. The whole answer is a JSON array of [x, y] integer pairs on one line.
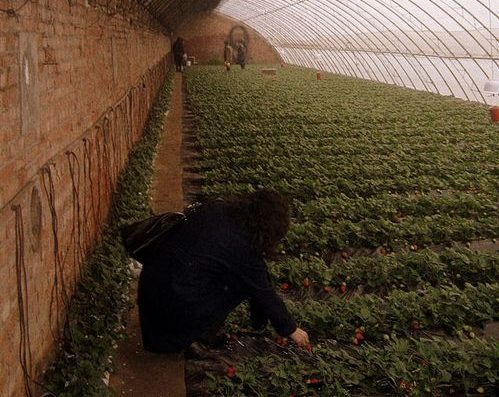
[[73, 94]]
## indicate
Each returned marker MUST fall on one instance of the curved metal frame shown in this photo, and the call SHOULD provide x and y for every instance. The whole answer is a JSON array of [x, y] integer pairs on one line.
[[338, 19], [295, 28]]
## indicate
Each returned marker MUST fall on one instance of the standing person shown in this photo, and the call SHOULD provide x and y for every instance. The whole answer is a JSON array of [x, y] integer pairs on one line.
[[241, 54], [228, 55], [208, 265], [178, 53]]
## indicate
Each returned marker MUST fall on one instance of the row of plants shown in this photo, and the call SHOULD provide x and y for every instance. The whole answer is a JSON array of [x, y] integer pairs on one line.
[[94, 318], [379, 172], [361, 173], [387, 272], [425, 367], [447, 308]]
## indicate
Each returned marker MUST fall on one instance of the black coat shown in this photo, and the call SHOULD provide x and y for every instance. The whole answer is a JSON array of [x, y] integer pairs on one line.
[[178, 50], [197, 276]]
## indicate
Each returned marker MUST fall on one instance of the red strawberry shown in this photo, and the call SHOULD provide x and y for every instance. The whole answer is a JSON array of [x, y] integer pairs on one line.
[[308, 347], [404, 385], [313, 381], [233, 338], [343, 288], [284, 287], [230, 371], [360, 330], [306, 283], [328, 289], [281, 341], [360, 337], [416, 325]]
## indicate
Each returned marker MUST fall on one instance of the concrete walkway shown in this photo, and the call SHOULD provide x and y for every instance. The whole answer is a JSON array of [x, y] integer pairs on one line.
[[139, 373]]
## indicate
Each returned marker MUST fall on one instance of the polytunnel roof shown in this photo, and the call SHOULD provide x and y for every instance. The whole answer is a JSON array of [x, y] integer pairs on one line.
[[450, 47]]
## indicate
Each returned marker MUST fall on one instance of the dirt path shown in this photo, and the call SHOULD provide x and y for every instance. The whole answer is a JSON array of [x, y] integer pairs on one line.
[[139, 373]]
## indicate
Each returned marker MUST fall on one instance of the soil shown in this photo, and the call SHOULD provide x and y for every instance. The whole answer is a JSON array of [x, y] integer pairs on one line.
[[139, 373]]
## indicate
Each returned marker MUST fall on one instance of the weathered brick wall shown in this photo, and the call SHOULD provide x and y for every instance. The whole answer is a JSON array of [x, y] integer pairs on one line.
[[76, 83], [205, 35]]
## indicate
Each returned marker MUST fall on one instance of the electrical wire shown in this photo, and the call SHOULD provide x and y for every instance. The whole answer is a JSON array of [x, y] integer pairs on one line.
[[78, 251], [59, 291], [14, 12], [25, 356]]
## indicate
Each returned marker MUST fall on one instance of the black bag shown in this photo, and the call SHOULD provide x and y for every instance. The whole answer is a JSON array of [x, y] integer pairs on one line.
[[140, 236]]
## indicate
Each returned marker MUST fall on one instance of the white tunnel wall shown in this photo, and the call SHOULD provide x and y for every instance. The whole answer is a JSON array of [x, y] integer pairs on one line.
[[449, 47]]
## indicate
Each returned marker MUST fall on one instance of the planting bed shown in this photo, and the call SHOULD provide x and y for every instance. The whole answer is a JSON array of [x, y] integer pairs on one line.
[[391, 262]]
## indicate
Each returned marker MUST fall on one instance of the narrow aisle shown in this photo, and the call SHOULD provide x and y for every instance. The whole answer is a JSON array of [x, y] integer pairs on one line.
[[139, 373], [166, 191]]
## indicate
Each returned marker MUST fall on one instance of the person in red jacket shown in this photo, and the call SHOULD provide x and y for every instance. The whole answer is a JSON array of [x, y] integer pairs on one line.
[[213, 261]]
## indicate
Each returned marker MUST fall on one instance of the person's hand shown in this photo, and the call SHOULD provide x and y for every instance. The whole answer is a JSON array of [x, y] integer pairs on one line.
[[300, 337]]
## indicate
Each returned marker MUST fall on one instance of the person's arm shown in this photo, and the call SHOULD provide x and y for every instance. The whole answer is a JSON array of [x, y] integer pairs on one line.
[[266, 305], [264, 299]]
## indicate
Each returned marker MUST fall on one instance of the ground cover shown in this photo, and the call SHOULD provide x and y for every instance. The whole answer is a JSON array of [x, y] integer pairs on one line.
[[95, 314], [388, 188]]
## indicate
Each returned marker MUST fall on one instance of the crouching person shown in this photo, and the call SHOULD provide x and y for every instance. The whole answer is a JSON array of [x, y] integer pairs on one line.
[[213, 261]]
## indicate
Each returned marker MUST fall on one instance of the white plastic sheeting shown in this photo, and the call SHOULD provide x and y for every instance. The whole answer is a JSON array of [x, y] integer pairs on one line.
[[449, 47]]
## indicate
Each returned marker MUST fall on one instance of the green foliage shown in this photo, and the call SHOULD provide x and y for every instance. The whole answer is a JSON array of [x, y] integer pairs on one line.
[[427, 367], [364, 165], [94, 323], [405, 271]]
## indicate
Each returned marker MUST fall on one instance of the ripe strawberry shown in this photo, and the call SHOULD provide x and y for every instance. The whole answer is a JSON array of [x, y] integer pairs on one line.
[[308, 347], [233, 338], [313, 381], [360, 337], [360, 330], [281, 341], [328, 289], [306, 283], [343, 288], [284, 287], [415, 325], [230, 371], [405, 385]]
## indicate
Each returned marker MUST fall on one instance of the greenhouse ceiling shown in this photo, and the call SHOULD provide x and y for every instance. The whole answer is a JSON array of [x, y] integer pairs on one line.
[[450, 47]]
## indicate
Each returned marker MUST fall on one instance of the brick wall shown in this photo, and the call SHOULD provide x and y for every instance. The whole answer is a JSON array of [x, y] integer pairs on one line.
[[76, 83], [205, 35]]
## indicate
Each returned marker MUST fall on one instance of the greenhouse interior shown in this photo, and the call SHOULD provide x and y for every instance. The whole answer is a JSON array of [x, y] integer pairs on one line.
[[233, 198]]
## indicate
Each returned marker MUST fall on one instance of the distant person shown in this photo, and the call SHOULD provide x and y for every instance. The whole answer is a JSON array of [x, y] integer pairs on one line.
[[228, 55], [241, 54], [193, 278], [178, 53]]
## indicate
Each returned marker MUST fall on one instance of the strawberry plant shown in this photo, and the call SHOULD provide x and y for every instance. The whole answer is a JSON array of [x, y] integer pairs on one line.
[[414, 183]]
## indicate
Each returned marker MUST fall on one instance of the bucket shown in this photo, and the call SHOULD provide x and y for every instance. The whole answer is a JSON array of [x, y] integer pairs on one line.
[[494, 113], [319, 76]]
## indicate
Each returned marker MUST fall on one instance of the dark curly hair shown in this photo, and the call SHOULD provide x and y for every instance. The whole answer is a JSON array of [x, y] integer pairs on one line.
[[264, 215]]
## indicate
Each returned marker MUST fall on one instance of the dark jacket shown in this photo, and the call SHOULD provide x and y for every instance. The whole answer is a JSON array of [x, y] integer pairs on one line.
[[178, 50], [241, 54], [195, 278]]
